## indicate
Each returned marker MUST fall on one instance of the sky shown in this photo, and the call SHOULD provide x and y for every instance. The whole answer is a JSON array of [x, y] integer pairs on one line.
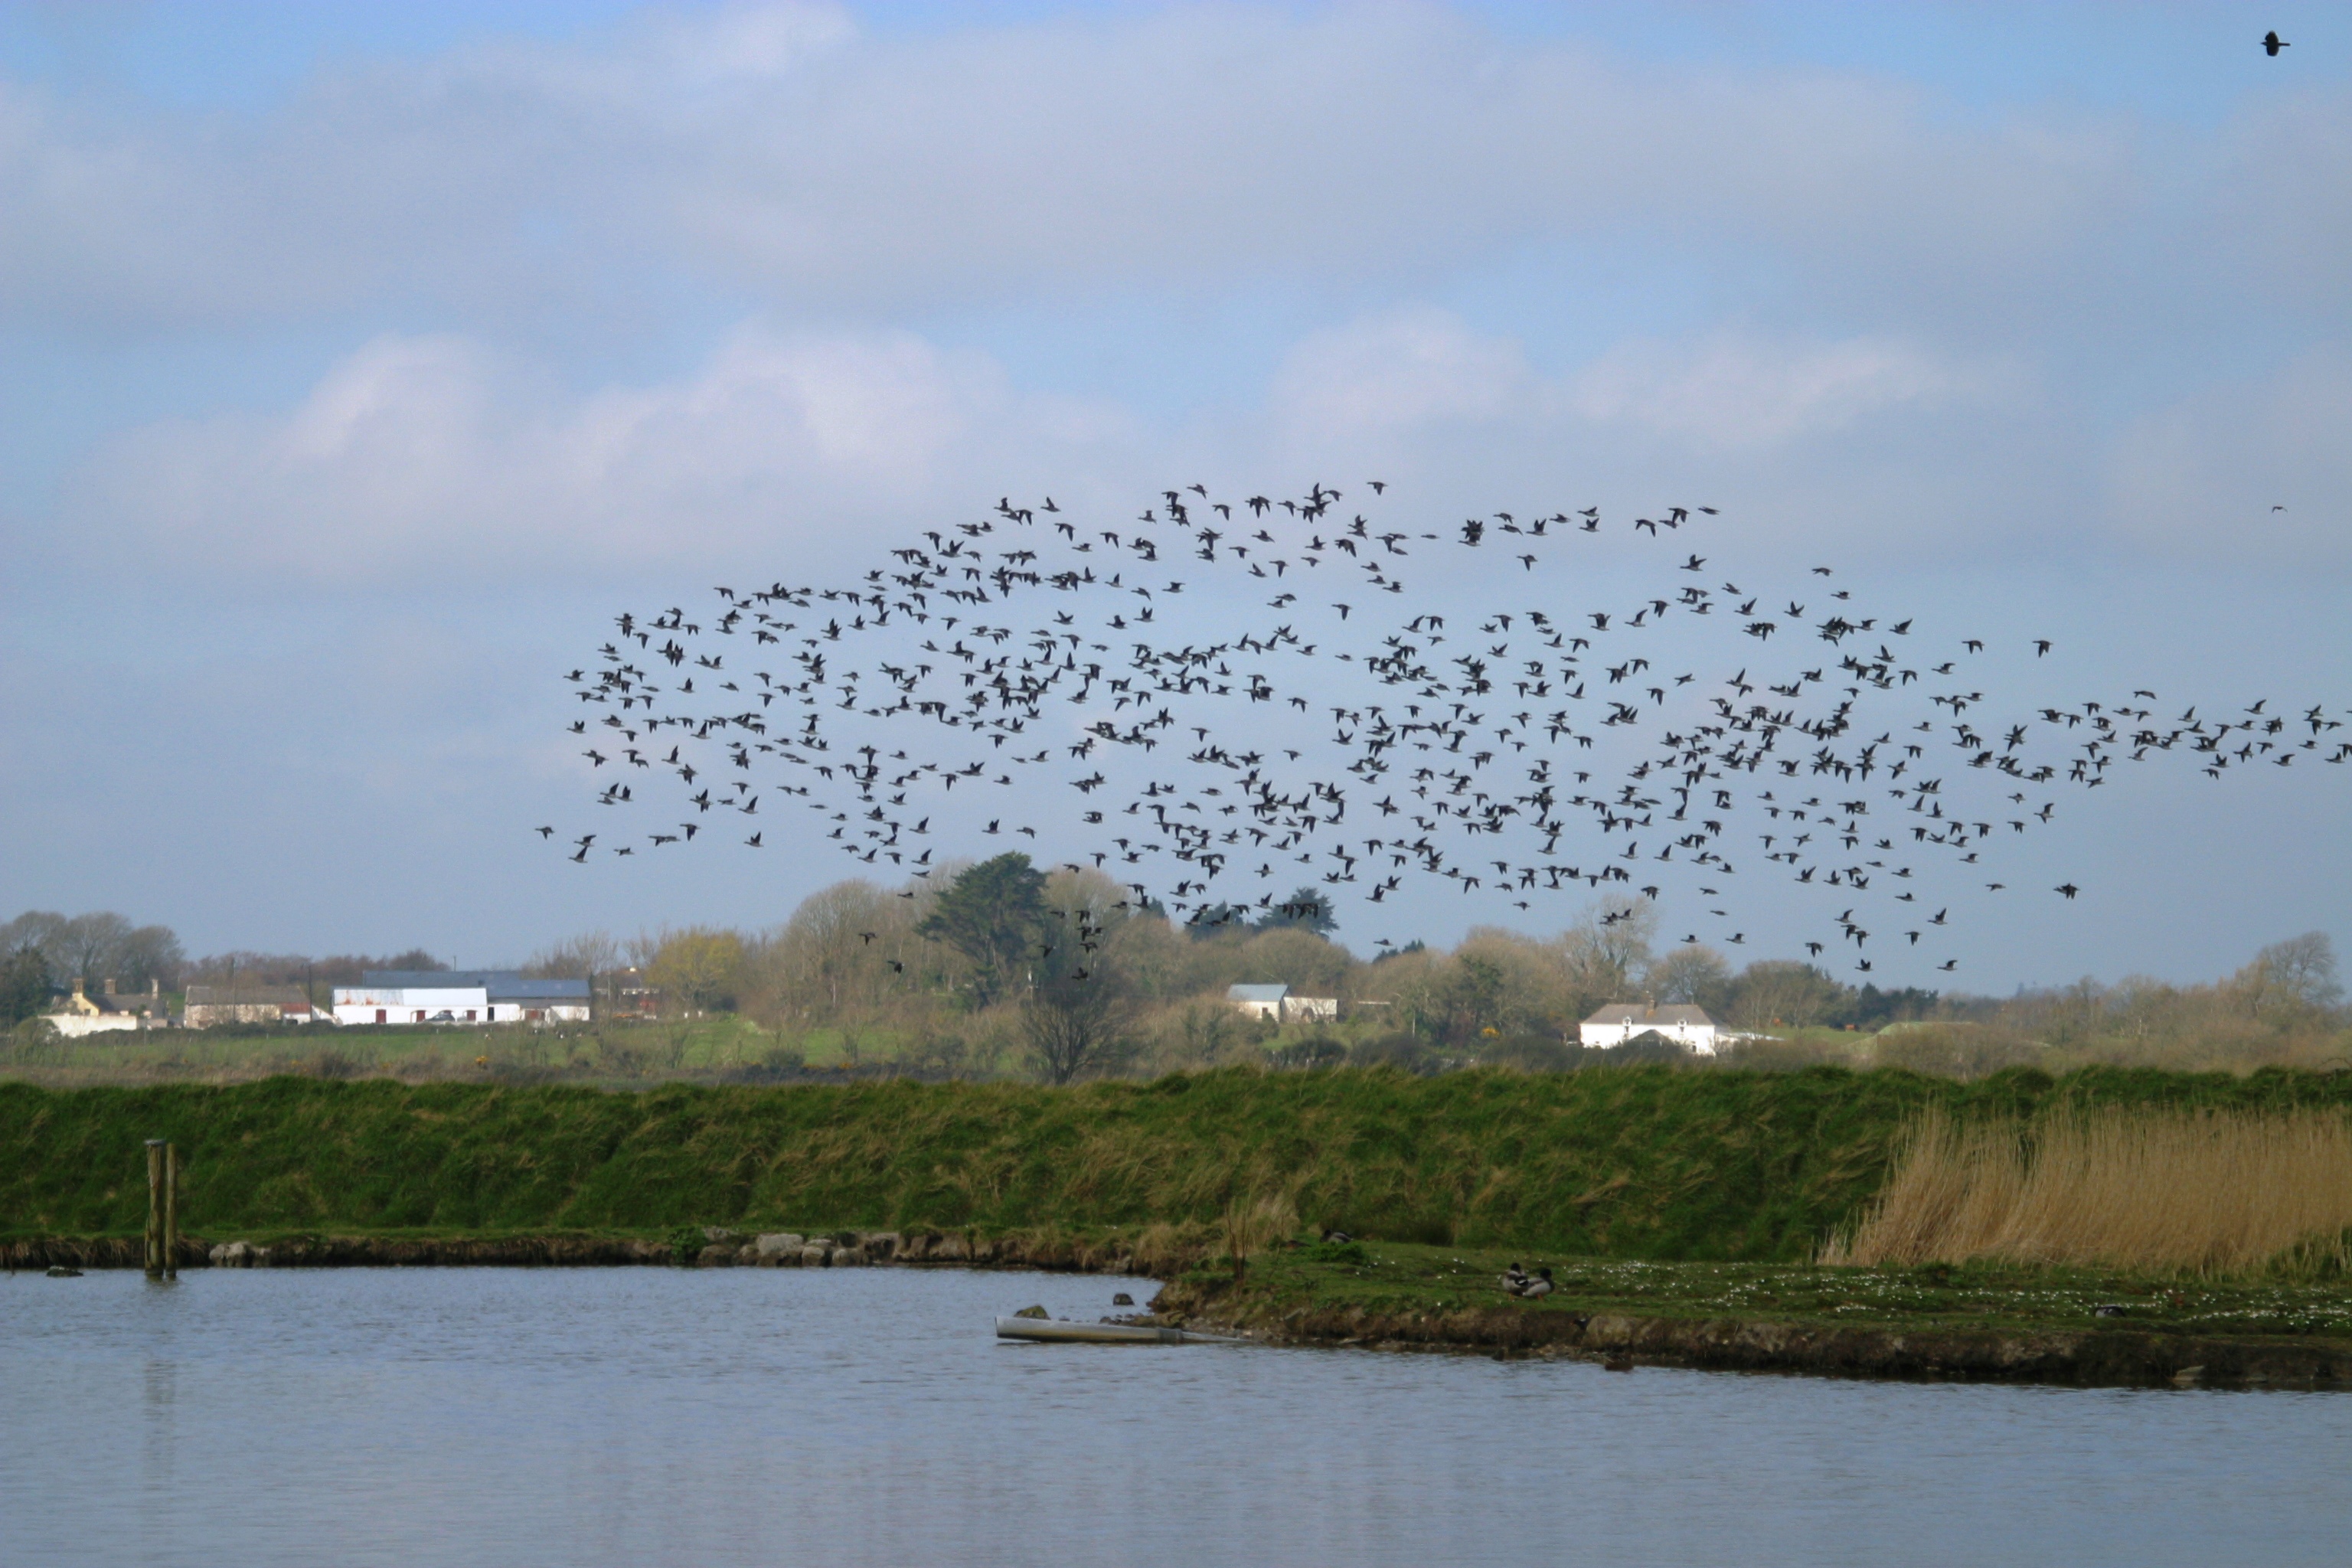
[[358, 363]]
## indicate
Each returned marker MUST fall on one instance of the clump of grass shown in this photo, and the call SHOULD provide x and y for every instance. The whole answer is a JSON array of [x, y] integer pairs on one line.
[[1253, 1224], [2150, 1190]]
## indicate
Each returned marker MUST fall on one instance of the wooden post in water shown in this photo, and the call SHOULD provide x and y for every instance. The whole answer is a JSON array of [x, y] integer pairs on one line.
[[155, 1147], [171, 1210]]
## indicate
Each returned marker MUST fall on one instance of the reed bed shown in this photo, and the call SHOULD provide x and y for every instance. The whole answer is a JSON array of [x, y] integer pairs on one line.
[[2150, 1190]]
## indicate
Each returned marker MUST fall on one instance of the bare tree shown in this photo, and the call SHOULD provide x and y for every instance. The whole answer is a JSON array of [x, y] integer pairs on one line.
[[1691, 973], [1782, 992], [1606, 949], [151, 953], [1076, 1027], [2301, 969], [576, 958]]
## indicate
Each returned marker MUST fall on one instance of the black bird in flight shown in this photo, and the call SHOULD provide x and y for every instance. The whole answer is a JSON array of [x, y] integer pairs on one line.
[[2272, 44], [1471, 738]]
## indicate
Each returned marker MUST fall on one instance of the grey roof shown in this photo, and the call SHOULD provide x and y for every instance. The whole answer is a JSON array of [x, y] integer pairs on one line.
[[1256, 993], [521, 988], [1653, 1017], [500, 985]]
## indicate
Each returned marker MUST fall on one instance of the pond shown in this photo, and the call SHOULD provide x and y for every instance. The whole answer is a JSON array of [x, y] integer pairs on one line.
[[815, 1416]]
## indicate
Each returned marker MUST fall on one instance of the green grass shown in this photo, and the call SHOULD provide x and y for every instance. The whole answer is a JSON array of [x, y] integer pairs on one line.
[[1633, 1163], [1403, 1282], [1398, 1286], [614, 1048]]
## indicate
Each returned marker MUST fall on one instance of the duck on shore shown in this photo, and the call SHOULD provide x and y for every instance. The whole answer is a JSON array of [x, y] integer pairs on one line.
[[1518, 1281]]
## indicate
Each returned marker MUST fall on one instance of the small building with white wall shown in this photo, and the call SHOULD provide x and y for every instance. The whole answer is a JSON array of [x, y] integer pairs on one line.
[[1276, 1003], [81, 1014], [459, 996], [1622, 1021]]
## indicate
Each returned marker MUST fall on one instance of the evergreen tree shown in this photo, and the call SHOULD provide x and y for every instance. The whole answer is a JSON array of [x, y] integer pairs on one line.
[[1309, 909], [994, 914]]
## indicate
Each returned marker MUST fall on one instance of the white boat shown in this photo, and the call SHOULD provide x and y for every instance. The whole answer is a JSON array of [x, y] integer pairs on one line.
[[1061, 1330]]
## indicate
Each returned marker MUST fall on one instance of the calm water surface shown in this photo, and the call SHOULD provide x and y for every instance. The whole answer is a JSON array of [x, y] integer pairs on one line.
[[644, 1415]]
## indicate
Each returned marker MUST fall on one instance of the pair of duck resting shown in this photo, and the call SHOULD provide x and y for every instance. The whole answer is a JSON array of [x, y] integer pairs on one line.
[[1518, 1281]]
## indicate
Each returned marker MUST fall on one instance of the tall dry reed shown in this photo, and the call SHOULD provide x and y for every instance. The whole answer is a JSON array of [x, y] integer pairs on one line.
[[1253, 1224], [2150, 1191]]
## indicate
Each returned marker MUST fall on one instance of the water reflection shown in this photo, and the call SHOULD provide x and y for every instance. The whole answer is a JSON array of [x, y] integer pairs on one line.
[[649, 1416]]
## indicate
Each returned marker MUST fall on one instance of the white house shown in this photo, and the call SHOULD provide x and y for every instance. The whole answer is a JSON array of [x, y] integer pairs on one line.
[[79, 1014], [1621, 1021], [1276, 1003], [459, 996]]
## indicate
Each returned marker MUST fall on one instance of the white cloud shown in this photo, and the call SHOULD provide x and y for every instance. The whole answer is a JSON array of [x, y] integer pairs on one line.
[[778, 149], [1744, 392], [1399, 371], [1411, 372], [418, 455]]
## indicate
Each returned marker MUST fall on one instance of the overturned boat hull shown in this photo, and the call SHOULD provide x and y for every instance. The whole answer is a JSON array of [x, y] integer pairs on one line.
[[1061, 1330]]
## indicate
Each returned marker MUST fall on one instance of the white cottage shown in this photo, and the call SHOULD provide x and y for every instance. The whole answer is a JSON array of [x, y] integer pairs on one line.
[[1621, 1021]]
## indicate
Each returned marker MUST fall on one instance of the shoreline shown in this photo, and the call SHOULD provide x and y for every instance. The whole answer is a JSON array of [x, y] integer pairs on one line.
[[1279, 1306], [1623, 1341], [719, 1249]]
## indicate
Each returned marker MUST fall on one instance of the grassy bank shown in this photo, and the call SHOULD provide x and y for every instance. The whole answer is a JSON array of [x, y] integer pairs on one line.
[[2057, 1324], [1644, 1163]]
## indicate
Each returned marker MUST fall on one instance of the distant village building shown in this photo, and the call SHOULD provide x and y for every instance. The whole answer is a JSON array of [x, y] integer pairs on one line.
[[1276, 1003], [81, 1014], [1622, 1021], [459, 996], [248, 1003], [630, 993]]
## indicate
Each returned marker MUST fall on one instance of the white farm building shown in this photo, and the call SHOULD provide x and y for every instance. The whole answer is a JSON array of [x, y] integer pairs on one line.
[[1276, 1003], [1621, 1021], [459, 996]]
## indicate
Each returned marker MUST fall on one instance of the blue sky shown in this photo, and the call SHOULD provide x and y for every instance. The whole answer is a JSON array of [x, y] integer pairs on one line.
[[356, 362]]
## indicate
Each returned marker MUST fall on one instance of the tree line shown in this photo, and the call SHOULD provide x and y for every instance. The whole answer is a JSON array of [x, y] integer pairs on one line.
[[1003, 965], [43, 953], [984, 967]]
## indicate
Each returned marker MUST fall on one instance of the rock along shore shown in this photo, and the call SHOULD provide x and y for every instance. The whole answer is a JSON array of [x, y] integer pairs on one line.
[[2101, 1357], [719, 1249]]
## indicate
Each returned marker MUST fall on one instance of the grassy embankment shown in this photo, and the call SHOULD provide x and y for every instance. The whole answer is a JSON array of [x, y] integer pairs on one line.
[[1644, 1163]]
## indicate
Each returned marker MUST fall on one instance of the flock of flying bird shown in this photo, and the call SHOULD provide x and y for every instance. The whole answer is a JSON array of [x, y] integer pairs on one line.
[[1244, 696]]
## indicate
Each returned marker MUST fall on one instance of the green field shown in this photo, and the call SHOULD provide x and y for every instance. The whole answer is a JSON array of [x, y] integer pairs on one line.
[[1621, 1162]]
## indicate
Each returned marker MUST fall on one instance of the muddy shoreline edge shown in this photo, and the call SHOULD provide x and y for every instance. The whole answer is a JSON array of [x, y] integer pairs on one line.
[[2102, 1358], [2116, 1357]]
